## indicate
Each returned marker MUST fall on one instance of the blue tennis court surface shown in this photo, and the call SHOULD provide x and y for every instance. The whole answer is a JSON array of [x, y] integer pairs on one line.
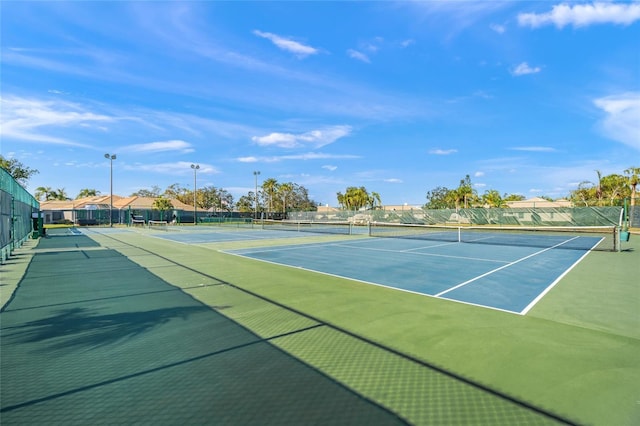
[[202, 235], [507, 278]]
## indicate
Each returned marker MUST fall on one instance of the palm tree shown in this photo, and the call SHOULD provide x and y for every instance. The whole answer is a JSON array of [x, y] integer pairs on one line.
[[61, 194], [43, 193], [599, 188], [633, 180], [284, 189], [464, 194], [492, 198], [356, 198], [87, 193], [269, 187], [375, 200]]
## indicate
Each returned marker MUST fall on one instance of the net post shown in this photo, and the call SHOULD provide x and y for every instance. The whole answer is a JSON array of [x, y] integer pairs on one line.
[[617, 246], [459, 234]]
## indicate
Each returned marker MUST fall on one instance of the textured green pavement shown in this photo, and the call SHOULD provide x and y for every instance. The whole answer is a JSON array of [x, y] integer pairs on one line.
[[93, 338]]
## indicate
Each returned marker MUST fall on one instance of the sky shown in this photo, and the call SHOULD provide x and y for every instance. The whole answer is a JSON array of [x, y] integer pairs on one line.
[[401, 97]]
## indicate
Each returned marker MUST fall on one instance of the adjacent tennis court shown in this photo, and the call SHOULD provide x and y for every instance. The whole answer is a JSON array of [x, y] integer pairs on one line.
[[508, 278]]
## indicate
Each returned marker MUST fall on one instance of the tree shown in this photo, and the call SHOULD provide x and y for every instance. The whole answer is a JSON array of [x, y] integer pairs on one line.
[[614, 189], [225, 200], [284, 190], [211, 197], [245, 203], [599, 187], [465, 195], [633, 180], [17, 170], [513, 197], [492, 198], [439, 198], [87, 193], [375, 200], [162, 204], [269, 188], [355, 198], [44, 193], [584, 194], [154, 192], [299, 199], [59, 194]]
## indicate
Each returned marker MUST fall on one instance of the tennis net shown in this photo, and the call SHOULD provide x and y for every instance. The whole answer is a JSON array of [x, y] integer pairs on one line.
[[138, 222], [331, 227], [604, 238], [158, 225]]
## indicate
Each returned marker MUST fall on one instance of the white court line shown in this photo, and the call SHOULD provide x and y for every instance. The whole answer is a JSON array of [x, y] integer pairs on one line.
[[553, 284], [360, 248], [501, 268], [428, 247], [423, 254], [419, 293]]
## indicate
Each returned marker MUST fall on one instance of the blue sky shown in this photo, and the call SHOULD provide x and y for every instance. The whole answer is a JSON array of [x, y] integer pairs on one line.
[[399, 97]]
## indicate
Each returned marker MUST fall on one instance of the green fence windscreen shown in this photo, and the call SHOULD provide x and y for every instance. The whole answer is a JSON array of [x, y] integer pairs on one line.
[[16, 208]]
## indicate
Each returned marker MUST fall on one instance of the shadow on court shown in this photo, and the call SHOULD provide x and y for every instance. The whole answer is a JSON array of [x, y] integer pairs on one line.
[[91, 337]]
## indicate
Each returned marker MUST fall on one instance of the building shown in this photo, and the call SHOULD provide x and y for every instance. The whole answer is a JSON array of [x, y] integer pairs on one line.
[[535, 202], [95, 210]]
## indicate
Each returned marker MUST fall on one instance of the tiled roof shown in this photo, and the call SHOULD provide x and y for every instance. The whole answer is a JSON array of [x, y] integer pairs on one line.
[[104, 201]]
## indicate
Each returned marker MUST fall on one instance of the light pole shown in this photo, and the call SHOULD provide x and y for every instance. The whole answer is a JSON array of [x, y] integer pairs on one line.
[[111, 157], [256, 173], [195, 168]]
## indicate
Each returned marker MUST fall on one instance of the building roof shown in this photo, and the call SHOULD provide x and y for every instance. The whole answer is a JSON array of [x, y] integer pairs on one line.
[[104, 201], [538, 202], [80, 203]]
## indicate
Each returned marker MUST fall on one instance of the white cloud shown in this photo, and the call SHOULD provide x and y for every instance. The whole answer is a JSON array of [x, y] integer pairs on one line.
[[452, 17], [297, 48], [443, 151], [622, 120], [582, 15], [393, 180], [177, 168], [407, 42], [247, 159], [173, 145], [534, 148], [500, 29], [314, 138], [354, 54], [478, 174], [524, 69], [304, 157], [330, 168], [34, 120]]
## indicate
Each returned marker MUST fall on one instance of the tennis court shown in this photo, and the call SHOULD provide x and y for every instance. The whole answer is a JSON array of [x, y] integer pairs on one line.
[[509, 278], [126, 325], [236, 233]]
